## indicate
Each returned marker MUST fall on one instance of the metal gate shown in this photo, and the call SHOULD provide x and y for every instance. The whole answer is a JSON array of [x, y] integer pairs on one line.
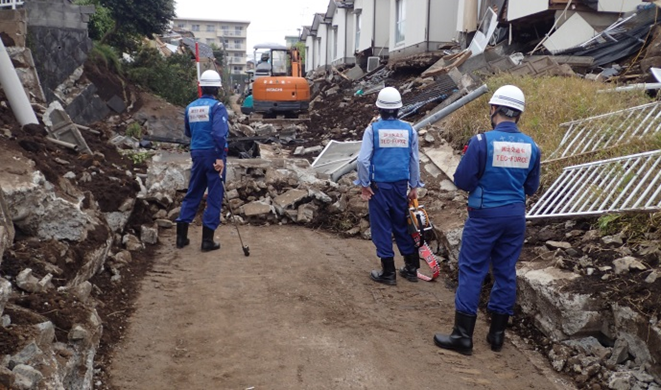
[[620, 184], [608, 130]]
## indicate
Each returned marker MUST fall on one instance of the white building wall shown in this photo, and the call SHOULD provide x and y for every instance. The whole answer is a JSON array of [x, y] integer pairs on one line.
[[309, 53], [324, 34], [439, 16], [443, 21], [383, 24], [343, 21]]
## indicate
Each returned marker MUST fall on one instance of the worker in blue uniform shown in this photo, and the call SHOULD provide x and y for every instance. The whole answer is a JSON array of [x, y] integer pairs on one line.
[[388, 168], [206, 122], [499, 168]]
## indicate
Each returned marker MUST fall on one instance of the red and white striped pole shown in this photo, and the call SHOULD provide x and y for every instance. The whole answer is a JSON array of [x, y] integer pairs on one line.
[[197, 63]]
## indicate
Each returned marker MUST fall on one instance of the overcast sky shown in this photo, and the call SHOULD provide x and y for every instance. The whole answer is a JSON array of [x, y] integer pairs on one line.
[[270, 20]]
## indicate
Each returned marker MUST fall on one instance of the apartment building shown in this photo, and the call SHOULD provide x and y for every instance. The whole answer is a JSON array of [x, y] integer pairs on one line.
[[230, 35]]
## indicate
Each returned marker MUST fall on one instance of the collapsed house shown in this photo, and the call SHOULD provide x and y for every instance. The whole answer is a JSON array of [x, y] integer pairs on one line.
[[366, 32]]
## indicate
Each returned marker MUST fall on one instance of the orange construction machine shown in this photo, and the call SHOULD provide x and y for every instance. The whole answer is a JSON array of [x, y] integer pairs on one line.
[[279, 86]]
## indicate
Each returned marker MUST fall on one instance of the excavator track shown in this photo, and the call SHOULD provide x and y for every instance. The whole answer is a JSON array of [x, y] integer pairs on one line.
[[281, 119]]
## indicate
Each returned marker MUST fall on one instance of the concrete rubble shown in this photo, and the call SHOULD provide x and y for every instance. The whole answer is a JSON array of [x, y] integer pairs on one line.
[[270, 181]]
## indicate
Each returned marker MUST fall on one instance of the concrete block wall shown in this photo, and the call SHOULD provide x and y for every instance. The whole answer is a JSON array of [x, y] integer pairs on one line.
[[58, 37], [58, 13], [13, 27]]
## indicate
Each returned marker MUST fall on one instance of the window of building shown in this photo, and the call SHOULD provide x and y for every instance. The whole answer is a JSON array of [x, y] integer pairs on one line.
[[211, 28], [359, 25], [236, 69], [226, 30], [181, 25], [238, 30], [195, 27], [238, 44], [400, 20], [334, 43]]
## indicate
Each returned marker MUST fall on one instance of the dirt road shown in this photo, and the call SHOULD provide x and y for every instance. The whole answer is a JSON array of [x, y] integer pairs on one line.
[[300, 313]]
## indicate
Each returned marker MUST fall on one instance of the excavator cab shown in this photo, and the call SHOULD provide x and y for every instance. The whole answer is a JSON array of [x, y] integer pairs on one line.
[[279, 86]]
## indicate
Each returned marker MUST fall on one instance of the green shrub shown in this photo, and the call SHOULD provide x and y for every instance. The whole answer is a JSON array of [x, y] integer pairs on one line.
[[173, 78], [134, 130], [106, 56]]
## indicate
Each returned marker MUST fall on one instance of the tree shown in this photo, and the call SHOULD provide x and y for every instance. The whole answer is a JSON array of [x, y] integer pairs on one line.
[[101, 21], [138, 17]]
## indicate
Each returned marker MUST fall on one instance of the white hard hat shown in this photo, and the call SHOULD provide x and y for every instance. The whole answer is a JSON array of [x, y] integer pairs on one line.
[[210, 78], [509, 96], [389, 99]]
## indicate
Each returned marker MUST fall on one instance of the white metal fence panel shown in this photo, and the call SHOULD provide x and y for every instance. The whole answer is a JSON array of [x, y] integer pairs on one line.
[[630, 183], [608, 130], [10, 3]]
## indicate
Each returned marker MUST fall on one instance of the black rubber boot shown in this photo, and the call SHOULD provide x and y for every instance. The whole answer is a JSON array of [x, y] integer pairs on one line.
[[208, 244], [410, 270], [496, 336], [461, 339], [182, 235], [387, 274]]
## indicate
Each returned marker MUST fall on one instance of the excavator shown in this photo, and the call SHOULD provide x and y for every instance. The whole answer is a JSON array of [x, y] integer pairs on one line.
[[278, 87]]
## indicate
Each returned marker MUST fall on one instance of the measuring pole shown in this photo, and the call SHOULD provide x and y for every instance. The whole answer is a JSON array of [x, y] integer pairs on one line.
[[197, 63]]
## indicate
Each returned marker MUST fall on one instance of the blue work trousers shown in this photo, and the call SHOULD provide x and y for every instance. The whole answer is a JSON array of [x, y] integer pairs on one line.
[[203, 177], [388, 210], [494, 240]]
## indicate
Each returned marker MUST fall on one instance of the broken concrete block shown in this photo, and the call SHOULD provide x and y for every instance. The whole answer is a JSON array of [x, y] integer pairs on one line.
[[290, 199], [45, 282], [5, 292], [627, 263], [265, 130], [621, 380], [26, 377], [6, 377], [620, 352], [82, 291], [557, 313], [45, 334], [354, 73], [149, 234], [256, 208], [299, 150], [132, 243], [358, 207], [116, 104], [29, 353], [445, 158], [615, 239], [448, 186], [232, 194], [305, 213], [313, 149], [558, 244], [164, 223], [320, 196], [77, 333], [25, 281]]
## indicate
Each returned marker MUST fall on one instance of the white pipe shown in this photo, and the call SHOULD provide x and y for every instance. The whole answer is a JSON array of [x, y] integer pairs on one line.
[[451, 108], [10, 82], [633, 87]]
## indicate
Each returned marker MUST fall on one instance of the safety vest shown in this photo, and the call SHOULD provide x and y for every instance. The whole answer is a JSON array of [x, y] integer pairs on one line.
[[200, 120], [510, 158], [392, 150]]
